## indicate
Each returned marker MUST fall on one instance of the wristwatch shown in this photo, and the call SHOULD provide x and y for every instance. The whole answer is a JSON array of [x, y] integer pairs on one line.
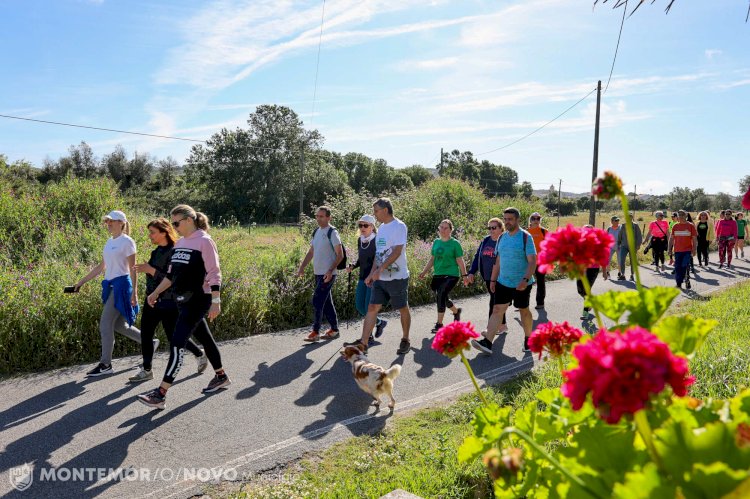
[[216, 300]]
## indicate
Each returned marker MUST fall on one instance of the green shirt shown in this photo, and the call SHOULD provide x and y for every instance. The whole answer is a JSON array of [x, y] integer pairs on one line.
[[445, 253], [741, 227]]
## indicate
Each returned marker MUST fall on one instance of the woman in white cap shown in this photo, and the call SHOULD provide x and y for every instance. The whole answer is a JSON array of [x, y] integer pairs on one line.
[[119, 289], [365, 259]]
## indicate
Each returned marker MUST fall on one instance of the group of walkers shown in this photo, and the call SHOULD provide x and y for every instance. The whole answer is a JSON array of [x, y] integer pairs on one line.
[[183, 278], [183, 283]]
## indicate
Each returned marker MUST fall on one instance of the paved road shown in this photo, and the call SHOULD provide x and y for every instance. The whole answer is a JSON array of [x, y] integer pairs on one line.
[[287, 398]]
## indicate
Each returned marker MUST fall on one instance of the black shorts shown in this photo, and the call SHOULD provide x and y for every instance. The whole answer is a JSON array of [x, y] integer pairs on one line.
[[504, 295]]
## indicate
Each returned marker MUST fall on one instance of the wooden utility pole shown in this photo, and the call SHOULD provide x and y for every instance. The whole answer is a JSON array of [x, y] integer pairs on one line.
[[559, 191], [441, 159], [594, 172]]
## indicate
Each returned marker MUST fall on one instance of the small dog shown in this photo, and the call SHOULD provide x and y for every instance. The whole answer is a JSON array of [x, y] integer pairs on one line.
[[371, 378]]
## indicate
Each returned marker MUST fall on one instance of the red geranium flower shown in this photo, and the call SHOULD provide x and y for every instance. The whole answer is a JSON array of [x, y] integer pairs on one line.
[[453, 338], [607, 187], [746, 200], [556, 338], [622, 371], [574, 250]]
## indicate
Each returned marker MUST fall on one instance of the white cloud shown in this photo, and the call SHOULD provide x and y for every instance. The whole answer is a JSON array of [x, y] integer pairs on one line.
[[428, 64], [711, 53], [734, 84]]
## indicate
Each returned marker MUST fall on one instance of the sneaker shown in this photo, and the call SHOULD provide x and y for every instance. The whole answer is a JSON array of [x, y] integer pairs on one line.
[[436, 328], [379, 327], [100, 370], [540, 306], [457, 315], [403, 347], [526, 344], [156, 344], [143, 375], [720, 265], [632, 278], [202, 362], [620, 277], [331, 334], [584, 314], [687, 285], [679, 285], [153, 399], [370, 341], [312, 337], [484, 345], [217, 383]]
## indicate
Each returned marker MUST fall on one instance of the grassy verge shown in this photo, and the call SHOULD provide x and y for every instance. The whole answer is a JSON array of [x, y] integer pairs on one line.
[[418, 452]]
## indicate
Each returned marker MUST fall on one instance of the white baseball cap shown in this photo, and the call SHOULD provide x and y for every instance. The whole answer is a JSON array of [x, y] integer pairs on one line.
[[367, 219], [115, 215]]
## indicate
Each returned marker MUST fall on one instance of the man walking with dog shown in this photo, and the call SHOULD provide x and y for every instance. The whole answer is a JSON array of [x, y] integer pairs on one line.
[[326, 252], [389, 277]]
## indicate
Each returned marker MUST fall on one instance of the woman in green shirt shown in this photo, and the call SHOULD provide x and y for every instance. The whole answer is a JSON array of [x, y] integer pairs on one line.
[[447, 260], [739, 248]]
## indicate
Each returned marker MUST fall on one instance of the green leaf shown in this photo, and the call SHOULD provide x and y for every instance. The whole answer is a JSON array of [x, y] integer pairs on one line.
[[644, 484], [713, 480], [684, 334], [471, 448], [644, 307], [525, 418], [740, 407]]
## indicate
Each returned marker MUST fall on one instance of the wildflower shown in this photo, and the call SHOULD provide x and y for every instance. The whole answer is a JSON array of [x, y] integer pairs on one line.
[[607, 187], [556, 338], [622, 371], [453, 338], [746, 200], [742, 438], [574, 250], [503, 464]]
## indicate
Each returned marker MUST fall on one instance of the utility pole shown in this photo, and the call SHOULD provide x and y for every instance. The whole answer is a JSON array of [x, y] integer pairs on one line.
[[441, 159], [559, 191], [594, 172], [301, 186]]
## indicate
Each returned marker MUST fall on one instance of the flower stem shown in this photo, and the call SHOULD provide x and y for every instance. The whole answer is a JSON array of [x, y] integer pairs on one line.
[[560, 364], [631, 242], [644, 429], [587, 287], [548, 457], [473, 379]]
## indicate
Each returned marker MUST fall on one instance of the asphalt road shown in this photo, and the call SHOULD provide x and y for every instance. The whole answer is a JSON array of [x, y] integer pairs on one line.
[[287, 398]]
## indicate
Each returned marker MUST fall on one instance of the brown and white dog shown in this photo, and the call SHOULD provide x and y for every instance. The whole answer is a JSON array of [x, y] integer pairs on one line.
[[371, 378]]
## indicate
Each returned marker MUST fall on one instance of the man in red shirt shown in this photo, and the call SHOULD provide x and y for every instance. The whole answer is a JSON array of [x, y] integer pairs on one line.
[[683, 243]]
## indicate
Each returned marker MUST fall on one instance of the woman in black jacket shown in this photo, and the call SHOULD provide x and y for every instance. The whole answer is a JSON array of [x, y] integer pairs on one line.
[[485, 258], [161, 233]]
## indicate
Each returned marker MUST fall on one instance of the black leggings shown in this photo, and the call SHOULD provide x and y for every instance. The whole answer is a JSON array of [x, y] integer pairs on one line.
[[150, 318], [492, 300], [703, 251], [591, 275], [191, 320], [442, 285], [658, 247]]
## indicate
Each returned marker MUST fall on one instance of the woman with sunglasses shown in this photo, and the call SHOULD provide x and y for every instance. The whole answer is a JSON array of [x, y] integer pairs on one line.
[[706, 234], [119, 289], [739, 249], [195, 277], [365, 259], [162, 234], [448, 262], [726, 233], [484, 259]]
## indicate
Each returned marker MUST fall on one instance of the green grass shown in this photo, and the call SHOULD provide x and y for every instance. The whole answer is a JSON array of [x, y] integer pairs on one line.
[[418, 452]]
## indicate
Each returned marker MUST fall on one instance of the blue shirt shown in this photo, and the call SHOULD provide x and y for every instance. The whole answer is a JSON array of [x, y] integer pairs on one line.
[[513, 262]]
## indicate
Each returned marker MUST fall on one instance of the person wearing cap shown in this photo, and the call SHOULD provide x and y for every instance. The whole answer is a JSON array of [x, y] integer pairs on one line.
[[673, 221], [623, 249], [614, 231], [365, 259], [538, 233], [119, 290], [326, 252], [658, 236]]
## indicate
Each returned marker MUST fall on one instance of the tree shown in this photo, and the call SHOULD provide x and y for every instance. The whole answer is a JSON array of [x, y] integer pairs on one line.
[[418, 174], [744, 184], [525, 190], [460, 165], [166, 175], [721, 201], [84, 164], [497, 180], [19, 175]]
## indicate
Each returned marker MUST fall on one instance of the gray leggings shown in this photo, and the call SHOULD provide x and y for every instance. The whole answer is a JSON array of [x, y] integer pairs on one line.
[[112, 321]]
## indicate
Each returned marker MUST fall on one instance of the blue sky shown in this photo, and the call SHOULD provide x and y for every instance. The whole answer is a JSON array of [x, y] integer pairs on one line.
[[398, 80]]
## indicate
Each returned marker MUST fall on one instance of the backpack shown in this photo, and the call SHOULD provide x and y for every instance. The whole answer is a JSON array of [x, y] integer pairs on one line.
[[342, 263], [525, 238]]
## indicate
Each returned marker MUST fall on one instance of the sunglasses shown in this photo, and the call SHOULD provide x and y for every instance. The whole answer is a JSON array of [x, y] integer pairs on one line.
[[493, 227], [177, 223], [535, 218], [363, 226]]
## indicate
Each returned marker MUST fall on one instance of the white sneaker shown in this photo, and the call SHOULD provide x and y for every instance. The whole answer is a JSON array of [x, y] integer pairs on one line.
[[142, 375], [156, 344], [202, 362]]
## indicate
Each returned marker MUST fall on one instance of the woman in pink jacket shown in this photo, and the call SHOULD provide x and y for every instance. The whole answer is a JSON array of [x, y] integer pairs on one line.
[[726, 233]]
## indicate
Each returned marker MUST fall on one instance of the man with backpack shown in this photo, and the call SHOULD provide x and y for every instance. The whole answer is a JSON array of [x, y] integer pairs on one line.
[[512, 279], [538, 233], [327, 255]]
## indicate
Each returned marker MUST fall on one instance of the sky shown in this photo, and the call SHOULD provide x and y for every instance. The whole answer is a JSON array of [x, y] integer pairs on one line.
[[397, 79]]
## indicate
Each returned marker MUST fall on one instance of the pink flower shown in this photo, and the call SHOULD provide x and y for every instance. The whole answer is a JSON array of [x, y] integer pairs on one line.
[[555, 338], [607, 187], [746, 200], [453, 338], [622, 371], [574, 250]]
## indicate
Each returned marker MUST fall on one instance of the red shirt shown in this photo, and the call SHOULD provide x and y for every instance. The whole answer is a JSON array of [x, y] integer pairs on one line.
[[659, 228], [683, 234]]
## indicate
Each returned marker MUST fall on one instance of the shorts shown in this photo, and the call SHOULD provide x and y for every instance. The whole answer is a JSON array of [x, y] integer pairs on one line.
[[504, 295], [397, 291]]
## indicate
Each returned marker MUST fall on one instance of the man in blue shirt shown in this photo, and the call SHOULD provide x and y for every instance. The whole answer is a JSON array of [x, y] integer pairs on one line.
[[512, 279]]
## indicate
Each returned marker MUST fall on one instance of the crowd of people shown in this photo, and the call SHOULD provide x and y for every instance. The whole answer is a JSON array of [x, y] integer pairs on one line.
[[183, 278]]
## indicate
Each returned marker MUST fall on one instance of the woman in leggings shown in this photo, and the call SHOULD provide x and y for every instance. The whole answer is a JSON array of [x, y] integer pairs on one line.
[[726, 233], [448, 262], [739, 249], [705, 229], [484, 259], [195, 278], [119, 289], [163, 235]]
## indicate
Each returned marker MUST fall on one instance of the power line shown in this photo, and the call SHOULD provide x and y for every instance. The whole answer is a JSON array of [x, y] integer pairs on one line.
[[317, 64], [535, 131], [622, 23]]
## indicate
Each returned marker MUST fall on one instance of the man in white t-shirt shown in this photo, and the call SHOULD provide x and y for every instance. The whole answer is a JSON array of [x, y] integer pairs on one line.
[[389, 277]]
